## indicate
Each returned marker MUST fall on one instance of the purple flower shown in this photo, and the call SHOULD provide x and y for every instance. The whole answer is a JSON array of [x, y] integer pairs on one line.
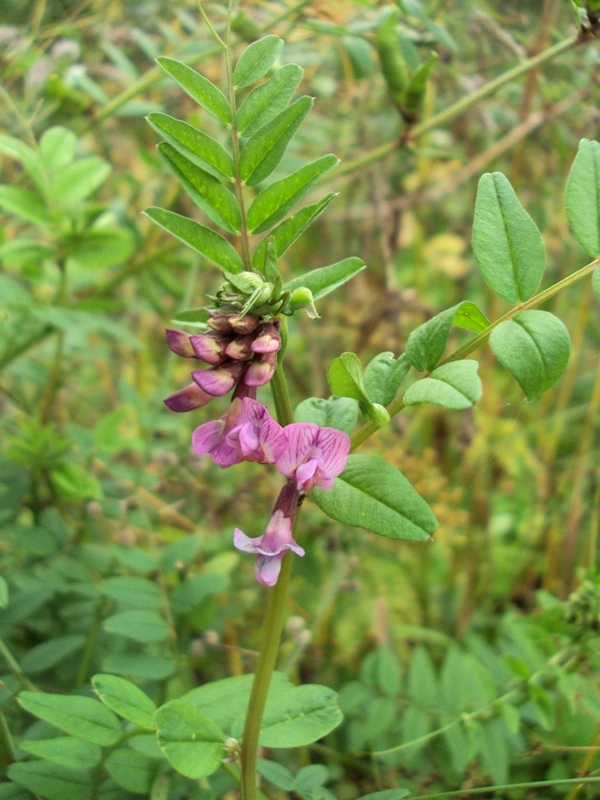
[[271, 547], [188, 399], [314, 456], [245, 433], [218, 380]]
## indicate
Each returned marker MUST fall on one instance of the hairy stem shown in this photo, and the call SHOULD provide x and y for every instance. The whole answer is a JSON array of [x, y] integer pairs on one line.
[[363, 433]]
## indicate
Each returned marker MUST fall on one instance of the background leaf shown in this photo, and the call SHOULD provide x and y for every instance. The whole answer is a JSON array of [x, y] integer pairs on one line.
[[336, 412]]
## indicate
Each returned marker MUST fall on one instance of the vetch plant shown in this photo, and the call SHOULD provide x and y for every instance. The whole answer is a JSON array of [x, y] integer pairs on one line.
[[237, 345]]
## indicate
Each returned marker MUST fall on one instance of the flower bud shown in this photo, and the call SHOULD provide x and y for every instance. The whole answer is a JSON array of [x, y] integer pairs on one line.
[[302, 297]]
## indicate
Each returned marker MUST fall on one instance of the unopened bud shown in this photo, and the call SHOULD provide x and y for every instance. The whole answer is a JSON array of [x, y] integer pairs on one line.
[[376, 414], [302, 298]]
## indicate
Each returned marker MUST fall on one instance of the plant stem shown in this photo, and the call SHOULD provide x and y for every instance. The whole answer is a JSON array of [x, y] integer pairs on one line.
[[235, 146], [86, 658], [272, 627], [7, 750], [397, 405], [15, 667], [505, 787], [458, 108], [517, 696]]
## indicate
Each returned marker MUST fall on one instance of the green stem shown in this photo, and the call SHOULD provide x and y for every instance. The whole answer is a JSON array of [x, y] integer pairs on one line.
[[363, 433], [15, 667], [97, 774], [505, 787], [272, 627], [209, 25], [7, 750], [460, 107], [86, 658], [24, 346], [517, 696], [235, 146]]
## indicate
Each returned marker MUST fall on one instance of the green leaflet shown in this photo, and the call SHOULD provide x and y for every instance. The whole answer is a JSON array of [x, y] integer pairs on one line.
[[256, 60], [209, 244], [582, 197], [25, 204], [132, 591], [132, 770], [596, 282], [373, 494], [268, 100], [275, 201], [290, 229], [426, 344], [191, 741], [52, 781], [336, 412], [195, 145], [383, 376], [346, 380], [57, 147], [263, 152], [209, 194], [324, 280], [77, 181], [51, 653], [139, 625], [199, 88], [64, 750], [507, 245], [534, 347], [455, 386], [193, 591], [82, 717], [299, 716], [125, 699]]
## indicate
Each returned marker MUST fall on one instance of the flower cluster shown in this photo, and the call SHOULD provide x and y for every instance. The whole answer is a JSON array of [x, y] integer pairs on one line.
[[241, 352]]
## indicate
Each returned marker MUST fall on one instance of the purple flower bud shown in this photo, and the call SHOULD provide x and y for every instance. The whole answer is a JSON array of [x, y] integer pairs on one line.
[[217, 381], [261, 369], [314, 456], [245, 324], [187, 399], [180, 343], [271, 547], [210, 347], [240, 348], [268, 338], [219, 321]]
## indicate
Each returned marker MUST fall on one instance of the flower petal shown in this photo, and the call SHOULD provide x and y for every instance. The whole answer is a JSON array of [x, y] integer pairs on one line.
[[305, 476], [261, 370], [240, 348], [268, 339], [210, 347], [301, 437], [267, 569], [218, 382], [245, 543], [180, 343], [334, 446], [206, 436], [187, 399]]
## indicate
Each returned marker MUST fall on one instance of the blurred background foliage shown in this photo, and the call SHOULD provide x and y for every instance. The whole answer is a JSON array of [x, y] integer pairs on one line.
[[104, 511]]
